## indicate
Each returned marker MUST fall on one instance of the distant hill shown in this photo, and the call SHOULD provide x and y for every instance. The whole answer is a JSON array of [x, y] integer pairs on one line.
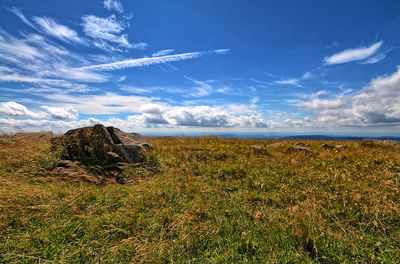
[[339, 138], [306, 137]]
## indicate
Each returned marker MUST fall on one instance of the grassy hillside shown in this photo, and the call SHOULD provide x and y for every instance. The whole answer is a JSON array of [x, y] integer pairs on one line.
[[222, 203]]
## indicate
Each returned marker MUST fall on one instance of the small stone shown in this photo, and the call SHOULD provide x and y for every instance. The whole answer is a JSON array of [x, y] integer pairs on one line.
[[326, 146], [341, 147], [300, 148], [201, 149], [256, 147], [276, 145]]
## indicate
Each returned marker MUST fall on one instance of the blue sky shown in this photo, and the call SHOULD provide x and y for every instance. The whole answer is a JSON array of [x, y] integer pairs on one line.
[[190, 66]]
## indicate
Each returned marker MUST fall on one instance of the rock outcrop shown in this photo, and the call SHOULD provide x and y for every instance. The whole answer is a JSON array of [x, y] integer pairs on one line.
[[103, 144]]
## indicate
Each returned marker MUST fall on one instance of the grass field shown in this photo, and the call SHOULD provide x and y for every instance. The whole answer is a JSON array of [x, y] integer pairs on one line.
[[225, 203]]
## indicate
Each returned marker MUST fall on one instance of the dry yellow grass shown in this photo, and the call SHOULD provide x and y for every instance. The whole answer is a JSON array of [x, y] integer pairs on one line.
[[213, 201]]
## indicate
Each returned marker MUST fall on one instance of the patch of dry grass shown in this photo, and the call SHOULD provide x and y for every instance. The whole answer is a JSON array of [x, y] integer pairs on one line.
[[213, 201]]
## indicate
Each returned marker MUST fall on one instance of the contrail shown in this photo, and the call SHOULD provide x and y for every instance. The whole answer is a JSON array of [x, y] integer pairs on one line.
[[141, 62]]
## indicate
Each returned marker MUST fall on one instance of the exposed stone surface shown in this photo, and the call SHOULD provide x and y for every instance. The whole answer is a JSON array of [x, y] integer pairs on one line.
[[326, 146], [256, 147], [201, 149], [104, 144], [276, 145], [341, 147], [301, 144], [300, 148]]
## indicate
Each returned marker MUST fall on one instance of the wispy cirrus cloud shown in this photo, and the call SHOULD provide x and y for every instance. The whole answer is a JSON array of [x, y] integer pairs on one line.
[[295, 81], [14, 50], [356, 54], [141, 62], [35, 60], [52, 28], [162, 52], [286, 81], [18, 12], [201, 88], [291, 81], [45, 83], [106, 33], [307, 75], [113, 5]]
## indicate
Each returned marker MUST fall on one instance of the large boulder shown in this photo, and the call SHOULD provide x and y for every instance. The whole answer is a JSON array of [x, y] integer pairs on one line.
[[103, 144]]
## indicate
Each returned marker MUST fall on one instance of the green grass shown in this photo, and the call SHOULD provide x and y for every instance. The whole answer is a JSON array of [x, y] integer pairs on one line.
[[230, 204]]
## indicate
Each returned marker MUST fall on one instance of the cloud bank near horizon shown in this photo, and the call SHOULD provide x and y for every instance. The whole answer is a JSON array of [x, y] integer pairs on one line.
[[378, 103]]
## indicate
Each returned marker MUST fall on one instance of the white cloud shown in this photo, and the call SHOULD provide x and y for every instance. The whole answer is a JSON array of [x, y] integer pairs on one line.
[[204, 116], [121, 79], [377, 103], [225, 90], [33, 59], [43, 82], [149, 115], [377, 57], [222, 51], [307, 76], [11, 125], [292, 81], [18, 12], [162, 52], [318, 104], [61, 112], [77, 74], [139, 90], [141, 62], [13, 49], [113, 5], [15, 109], [150, 112], [49, 26], [107, 33], [201, 88], [357, 54], [5, 69], [154, 115], [287, 81], [102, 104]]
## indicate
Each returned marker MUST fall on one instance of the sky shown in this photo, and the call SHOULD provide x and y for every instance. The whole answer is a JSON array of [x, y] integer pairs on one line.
[[227, 66]]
